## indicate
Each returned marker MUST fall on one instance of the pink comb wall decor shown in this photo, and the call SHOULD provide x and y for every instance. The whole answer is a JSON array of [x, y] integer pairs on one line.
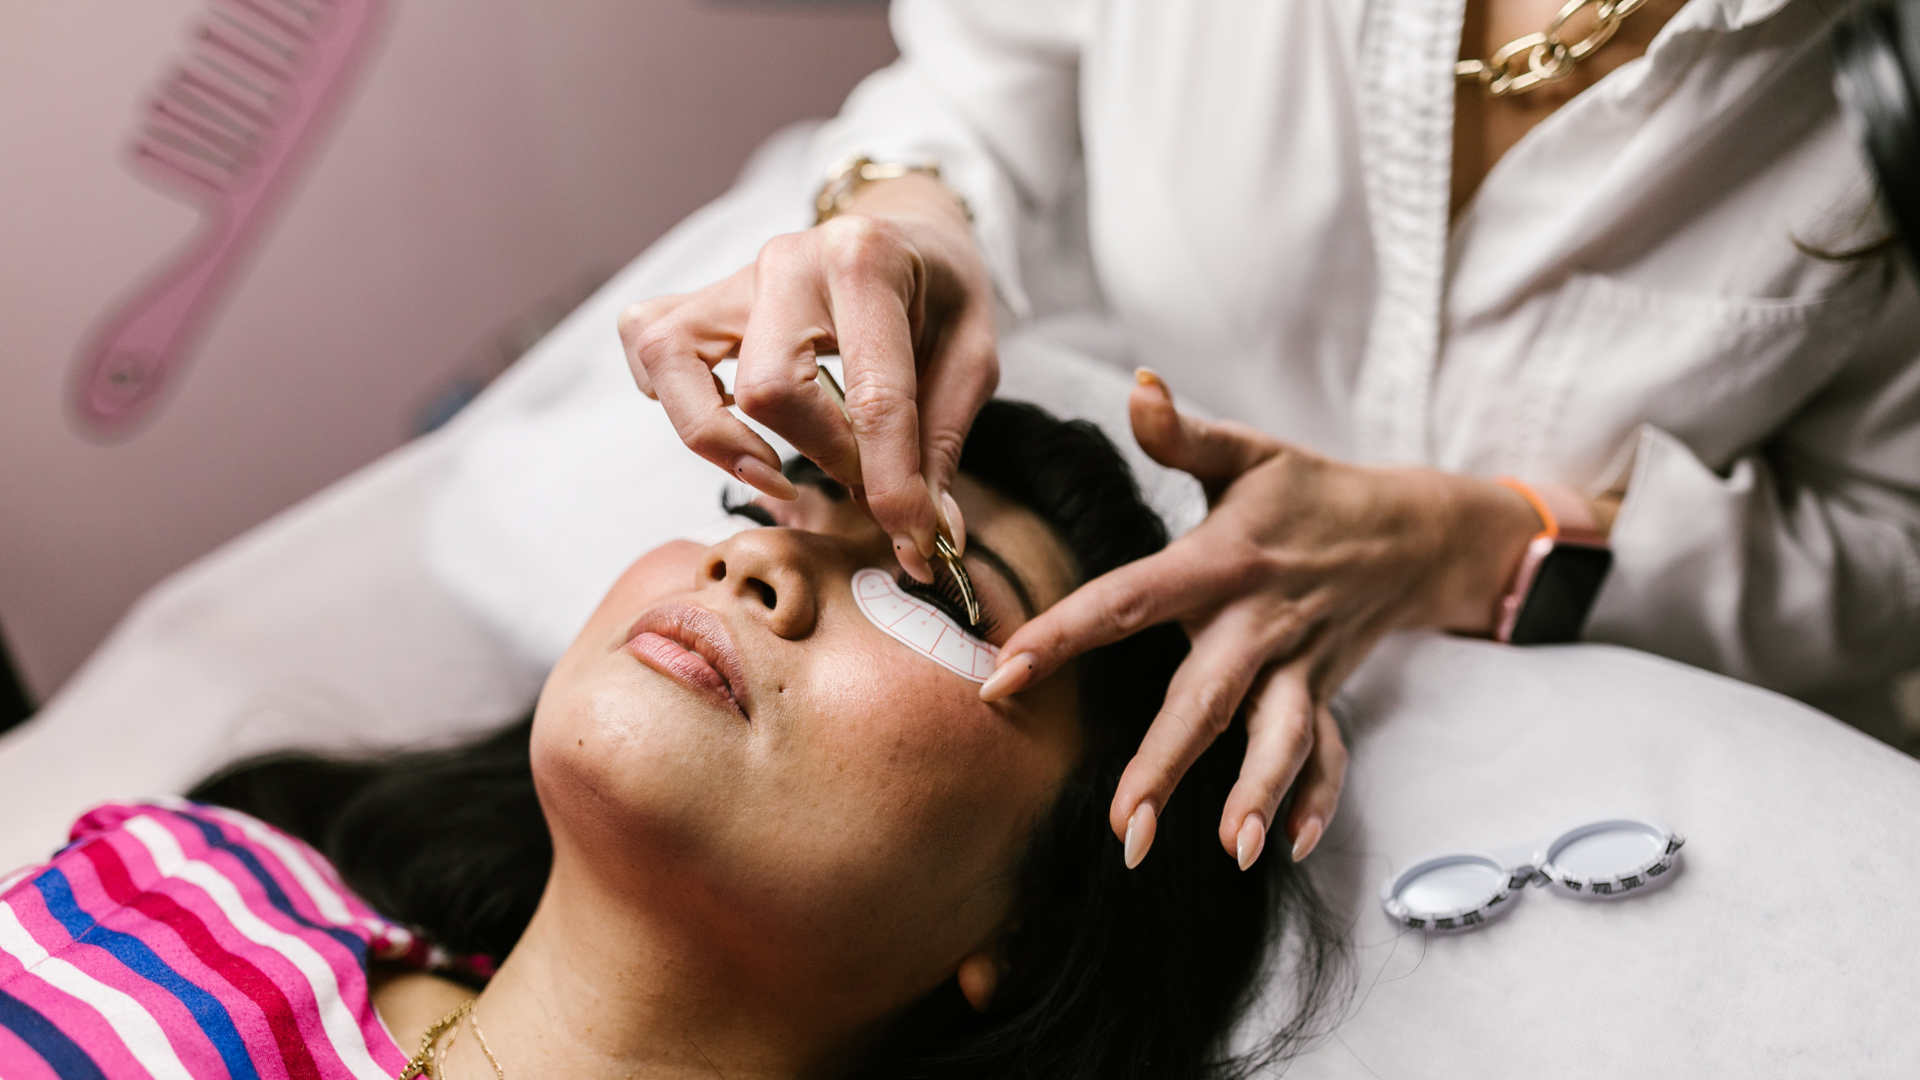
[[230, 128]]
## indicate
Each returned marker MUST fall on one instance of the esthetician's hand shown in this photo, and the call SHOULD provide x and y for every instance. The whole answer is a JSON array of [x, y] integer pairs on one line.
[[898, 288], [1300, 567]]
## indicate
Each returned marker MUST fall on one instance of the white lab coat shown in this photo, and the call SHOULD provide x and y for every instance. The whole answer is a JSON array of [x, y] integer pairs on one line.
[[1257, 191]]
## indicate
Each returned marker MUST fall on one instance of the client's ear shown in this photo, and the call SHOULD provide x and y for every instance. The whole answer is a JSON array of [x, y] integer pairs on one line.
[[979, 977]]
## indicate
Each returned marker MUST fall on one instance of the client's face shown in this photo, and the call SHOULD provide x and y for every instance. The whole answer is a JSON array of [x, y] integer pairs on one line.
[[735, 748]]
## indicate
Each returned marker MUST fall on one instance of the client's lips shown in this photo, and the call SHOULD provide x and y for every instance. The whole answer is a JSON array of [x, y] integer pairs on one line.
[[692, 644]]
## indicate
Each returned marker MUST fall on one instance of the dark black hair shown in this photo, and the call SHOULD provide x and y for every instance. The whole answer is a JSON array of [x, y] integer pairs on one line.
[[1110, 974], [1876, 62]]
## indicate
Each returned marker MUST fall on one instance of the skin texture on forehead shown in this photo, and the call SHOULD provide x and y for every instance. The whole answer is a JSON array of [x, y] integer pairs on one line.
[[840, 846]]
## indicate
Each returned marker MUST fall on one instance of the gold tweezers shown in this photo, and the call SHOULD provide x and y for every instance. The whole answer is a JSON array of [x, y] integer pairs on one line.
[[943, 548]]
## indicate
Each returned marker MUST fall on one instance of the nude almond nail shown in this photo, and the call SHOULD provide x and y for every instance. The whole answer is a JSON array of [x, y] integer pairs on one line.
[[1251, 841], [1309, 837], [956, 525], [1140, 829], [764, 478], [1009, 678]]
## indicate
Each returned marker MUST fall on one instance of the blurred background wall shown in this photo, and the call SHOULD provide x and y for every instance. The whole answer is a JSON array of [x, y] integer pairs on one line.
[[497, 159]]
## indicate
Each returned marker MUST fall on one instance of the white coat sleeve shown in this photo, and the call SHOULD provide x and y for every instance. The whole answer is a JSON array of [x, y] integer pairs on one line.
[[989, 89], [1799, 568]]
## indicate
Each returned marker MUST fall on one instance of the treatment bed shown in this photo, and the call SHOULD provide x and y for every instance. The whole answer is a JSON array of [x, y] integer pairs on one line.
[[424, 596]]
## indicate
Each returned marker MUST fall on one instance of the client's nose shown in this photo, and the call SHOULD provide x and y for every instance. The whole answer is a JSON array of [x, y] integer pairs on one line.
[[762, 567]]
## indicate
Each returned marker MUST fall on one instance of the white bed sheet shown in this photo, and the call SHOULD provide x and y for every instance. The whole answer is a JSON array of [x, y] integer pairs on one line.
[[1787, 946], [423, 597]]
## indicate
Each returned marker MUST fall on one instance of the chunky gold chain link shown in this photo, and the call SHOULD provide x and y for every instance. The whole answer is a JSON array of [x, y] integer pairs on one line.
[[1533, 60]]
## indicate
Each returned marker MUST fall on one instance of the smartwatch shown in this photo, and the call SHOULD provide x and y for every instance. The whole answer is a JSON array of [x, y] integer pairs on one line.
[[1561, 573]]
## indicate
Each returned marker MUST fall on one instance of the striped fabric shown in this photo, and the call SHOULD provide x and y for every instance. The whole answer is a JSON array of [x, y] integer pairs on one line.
[[178, 941]]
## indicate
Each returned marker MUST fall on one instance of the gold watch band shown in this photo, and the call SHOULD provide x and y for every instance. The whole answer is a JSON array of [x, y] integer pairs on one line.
[[847, 178]]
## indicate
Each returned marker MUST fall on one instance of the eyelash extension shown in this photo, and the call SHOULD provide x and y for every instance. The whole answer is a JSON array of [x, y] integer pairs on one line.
[[752, 511], [944, 594]]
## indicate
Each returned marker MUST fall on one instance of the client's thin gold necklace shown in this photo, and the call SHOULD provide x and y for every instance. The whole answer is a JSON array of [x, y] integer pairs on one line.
[[1533, 60], [427, 1062]]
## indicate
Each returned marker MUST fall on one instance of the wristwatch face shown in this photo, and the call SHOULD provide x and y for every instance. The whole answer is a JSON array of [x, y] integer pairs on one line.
[[1563, 590]]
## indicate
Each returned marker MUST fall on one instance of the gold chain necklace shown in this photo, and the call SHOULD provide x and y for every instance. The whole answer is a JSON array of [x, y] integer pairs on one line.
[[427, 1062], [1532, 60]]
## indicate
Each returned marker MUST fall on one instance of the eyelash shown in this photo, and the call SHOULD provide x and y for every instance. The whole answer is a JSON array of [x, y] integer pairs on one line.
[[753, 512], [944, 594]]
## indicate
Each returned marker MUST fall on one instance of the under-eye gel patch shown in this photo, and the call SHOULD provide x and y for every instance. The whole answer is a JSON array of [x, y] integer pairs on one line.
[[921, 626]]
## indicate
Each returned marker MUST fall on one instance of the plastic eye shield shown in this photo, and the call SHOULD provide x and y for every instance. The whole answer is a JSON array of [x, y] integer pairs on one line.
[[1599, 860], [921, 626]]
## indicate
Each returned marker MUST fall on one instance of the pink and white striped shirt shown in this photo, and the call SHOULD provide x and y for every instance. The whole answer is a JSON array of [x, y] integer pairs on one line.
[[176, 941]]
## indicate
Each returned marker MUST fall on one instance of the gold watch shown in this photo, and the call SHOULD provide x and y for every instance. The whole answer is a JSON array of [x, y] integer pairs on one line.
[[846, 179]]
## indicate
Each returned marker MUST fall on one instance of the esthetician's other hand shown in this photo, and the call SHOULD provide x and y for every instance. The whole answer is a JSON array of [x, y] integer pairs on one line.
[[1301, 565], [898, 288]]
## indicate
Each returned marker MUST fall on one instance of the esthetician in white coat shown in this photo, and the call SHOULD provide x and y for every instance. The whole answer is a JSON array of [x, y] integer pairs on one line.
[[1620, 283]]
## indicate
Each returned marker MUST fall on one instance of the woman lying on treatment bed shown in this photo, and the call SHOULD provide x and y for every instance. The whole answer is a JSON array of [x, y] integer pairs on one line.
[[777, 841]]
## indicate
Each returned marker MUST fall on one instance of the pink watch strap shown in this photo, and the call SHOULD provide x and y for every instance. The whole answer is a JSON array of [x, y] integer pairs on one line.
[[1566, 517]]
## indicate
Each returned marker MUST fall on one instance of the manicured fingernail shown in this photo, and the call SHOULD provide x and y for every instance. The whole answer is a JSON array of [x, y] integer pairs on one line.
[[1009, 678], [914, 563], [956, 525], [1309, 836], [1252, 839], [1149, 377], [1140, 834], [764, 478]]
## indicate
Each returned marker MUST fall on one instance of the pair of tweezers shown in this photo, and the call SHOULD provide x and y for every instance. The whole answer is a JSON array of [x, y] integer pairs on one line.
[[943, 548]]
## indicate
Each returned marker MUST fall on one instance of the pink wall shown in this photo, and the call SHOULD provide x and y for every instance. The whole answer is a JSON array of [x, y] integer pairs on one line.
[[495, 155]]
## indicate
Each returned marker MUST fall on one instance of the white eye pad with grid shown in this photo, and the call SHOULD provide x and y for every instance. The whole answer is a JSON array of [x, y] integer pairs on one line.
[[921, 626], [1600, 860]]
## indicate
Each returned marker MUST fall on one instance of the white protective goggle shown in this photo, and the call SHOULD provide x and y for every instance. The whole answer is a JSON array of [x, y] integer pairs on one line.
[[1600, 860]]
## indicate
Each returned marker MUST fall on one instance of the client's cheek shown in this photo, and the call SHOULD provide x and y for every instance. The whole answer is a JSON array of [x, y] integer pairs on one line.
[[924, 629]]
